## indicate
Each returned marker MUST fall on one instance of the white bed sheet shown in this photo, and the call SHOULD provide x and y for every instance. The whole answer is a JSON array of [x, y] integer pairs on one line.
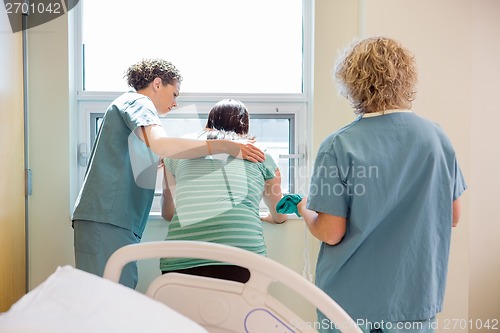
[[74, 301]]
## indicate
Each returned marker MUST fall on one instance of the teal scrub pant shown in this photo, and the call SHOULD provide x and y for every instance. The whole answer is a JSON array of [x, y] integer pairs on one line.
[[95, 242]]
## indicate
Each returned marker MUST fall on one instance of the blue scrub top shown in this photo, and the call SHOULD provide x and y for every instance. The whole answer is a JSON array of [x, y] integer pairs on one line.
[[110, 191], [394, 177]]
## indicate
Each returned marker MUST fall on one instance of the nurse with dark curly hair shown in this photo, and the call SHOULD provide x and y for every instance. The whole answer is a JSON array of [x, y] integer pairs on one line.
[[113, 206]]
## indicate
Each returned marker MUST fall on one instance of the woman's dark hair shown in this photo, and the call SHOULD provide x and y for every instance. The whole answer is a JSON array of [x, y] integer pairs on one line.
[[229, 115]]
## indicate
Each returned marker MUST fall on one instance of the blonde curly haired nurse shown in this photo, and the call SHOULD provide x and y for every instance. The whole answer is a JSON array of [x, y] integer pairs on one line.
[[384, 196]]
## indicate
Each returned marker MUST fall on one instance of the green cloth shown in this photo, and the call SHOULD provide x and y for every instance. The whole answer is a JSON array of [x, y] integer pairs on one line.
[[288, 204]]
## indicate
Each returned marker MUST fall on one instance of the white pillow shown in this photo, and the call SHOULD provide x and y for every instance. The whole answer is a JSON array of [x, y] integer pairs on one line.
[[74, 301]]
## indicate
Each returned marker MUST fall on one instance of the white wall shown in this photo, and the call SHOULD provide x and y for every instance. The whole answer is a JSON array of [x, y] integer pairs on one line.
[[50, 150], [456, 43], [484, 117]]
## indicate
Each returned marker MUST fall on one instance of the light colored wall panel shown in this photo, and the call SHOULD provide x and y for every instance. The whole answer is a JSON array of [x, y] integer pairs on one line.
[[12, 219], [51, 235], [336, 24], [484, 246]]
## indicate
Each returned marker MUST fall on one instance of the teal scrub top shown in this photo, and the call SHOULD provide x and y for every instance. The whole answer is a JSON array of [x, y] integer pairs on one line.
[[394, 177], [113, 190]]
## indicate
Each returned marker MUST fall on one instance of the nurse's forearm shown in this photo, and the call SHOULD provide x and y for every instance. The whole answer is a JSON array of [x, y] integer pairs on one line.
[[179, 148], [310, 218], [188, 148], [327, 228], [456, 212], [170, 147]]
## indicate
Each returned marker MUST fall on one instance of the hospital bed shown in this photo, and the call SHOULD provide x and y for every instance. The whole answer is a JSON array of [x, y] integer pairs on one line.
[[222, 306], [73, 301]]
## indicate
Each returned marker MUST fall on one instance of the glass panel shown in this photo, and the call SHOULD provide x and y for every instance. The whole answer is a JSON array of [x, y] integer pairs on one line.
[[272, 133], [220, 46]]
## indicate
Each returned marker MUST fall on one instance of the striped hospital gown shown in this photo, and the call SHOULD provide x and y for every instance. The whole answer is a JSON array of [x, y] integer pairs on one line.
[[217, 200]]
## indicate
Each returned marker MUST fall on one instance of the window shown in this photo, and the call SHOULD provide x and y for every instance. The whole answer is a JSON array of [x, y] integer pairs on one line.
[[221, 53], [220, 46]]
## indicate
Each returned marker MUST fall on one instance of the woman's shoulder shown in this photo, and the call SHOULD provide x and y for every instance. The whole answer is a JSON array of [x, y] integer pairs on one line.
[[269, 164]]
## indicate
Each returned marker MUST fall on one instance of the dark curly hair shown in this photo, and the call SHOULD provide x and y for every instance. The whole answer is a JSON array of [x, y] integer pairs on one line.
[[141, 74]]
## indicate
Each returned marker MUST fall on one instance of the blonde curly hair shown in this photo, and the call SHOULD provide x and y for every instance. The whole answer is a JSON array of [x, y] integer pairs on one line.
[[376, 74], [141, 74]]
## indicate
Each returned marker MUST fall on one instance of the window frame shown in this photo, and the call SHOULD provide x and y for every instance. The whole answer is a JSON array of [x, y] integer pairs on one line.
[[298, 104]]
